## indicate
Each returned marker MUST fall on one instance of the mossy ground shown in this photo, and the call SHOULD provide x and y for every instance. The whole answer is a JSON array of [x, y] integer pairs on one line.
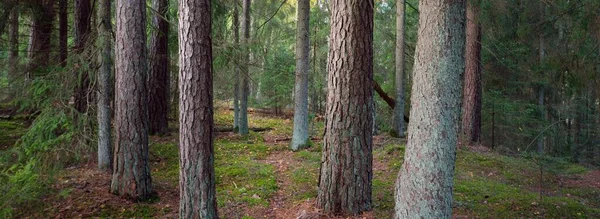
[[257, 176]]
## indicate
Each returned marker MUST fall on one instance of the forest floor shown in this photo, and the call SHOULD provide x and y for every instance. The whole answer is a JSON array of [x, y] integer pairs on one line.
[[258, 177]]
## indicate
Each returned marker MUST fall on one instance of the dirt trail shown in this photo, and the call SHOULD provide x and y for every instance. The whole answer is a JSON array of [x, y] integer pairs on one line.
[[281, 162], [590, 179]]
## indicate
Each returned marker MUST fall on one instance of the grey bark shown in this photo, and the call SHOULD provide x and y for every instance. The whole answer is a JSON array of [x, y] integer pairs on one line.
[[347, 161], [158, 80], [245, 92], [424, 184], [131, 169], [196, 174], [399, 106], [236, 86], [104, 86], [300, 136]]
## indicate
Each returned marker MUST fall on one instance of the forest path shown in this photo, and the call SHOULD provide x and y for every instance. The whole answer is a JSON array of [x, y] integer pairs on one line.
[[279, 208]]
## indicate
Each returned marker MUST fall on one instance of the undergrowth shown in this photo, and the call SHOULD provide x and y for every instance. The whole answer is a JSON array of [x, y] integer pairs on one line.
[[58, 136]]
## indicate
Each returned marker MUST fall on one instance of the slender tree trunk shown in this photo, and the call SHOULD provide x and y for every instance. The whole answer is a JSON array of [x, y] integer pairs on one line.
[[236, 86], [40, 39], [399, 106], [300, 136], [471, 114], [424, 185], [245, 92], [83, 10], [347, 159], [197, 175], [62, 32], [541, 89], [13, 55], [104, 86], [158, 82], [131, 169]]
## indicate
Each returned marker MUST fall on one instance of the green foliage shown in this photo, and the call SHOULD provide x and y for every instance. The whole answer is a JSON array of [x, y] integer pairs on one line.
[[277, 79], [20, 184]]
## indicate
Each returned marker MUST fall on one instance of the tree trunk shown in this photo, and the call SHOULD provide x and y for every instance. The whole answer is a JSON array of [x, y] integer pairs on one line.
[[300, 135], [83, 11], [197, 175], [13, 55], [131, 169], [424, 185], [399, 106], [104, 86], [158, 82], [236, 86], [347, 159], [471, 114], [63, 26], [40, 38], [243, 123]]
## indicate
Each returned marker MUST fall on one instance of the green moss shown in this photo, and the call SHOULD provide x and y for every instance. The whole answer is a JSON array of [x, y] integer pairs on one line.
[[303, 175], [245, 181], [138, 211], [489, 198], [164, 158], [308, 156]]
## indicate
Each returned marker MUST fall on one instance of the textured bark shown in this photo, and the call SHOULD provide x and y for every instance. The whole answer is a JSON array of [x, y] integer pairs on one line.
[[399, 125], [131, 169], [347, 159], [62, 32], [13, 54], [196, 174], [424, 185], [471, 113], [300, 135], [158, 81], [40, 37], [245, 92], [104, 86], [83, 10], [236, 85]]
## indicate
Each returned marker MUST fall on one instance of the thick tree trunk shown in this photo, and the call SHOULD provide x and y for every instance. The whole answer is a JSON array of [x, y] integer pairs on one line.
[[83, 11], [471, 114], [347, 159], [104, 86], [63, 25], [424, 185], [40, 39], [245, 74], [131, 169], [399, 125], [236, 85], [13, 54], [158, 82], [300, 135], [197, 175]]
